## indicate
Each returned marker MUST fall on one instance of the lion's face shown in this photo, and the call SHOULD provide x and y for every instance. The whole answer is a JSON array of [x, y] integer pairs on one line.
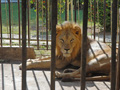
[[68, 39], [66, 42]]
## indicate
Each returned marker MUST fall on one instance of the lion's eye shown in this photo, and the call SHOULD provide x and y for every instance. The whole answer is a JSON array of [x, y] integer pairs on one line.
[[61, 40], [71, 40]]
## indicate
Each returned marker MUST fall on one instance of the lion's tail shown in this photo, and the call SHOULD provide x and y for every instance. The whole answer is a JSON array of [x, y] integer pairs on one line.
[[95, 78]]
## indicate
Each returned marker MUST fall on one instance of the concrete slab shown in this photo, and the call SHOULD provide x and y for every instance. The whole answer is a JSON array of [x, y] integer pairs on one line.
[[15, 53], [10, 79]]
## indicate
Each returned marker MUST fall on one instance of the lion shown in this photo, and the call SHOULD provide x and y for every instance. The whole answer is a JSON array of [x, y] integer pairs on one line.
[[68, 52]]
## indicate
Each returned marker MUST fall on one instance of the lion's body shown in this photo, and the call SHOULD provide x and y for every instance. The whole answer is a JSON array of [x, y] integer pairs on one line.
[[68, 51]]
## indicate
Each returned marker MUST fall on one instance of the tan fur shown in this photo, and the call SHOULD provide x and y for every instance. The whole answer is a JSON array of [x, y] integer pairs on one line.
[[68, 51]]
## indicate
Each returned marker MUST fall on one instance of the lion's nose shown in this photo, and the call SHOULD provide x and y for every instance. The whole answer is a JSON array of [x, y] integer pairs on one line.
[[66, 49]]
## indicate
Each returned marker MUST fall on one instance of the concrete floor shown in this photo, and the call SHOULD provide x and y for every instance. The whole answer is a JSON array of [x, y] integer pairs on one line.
[[10, 79]]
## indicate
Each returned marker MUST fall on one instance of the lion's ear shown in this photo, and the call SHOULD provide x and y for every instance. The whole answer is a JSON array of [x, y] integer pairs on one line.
[[77, 30], [58, 29]]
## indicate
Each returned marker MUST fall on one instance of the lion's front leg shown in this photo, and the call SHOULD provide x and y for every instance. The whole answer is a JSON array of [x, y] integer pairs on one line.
[[44, 64], [37, 64]]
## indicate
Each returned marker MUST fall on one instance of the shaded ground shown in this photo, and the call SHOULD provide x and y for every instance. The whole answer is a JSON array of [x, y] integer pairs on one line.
[[10, 79]]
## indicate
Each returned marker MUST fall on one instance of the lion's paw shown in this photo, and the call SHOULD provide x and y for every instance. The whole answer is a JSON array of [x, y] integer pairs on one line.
[[29, 62], [58, 74]]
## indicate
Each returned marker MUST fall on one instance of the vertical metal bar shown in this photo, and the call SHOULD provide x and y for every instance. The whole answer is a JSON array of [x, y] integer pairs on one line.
[[48, 14], [68, 10], [0, 24], [94, 17], [84, 44], [42, 19], [60, 11], [111, 19], [71, 10], [24, 50], [75, 9], [104, 20], [91, 16], [98, 17], [78, 11], [54, 22], [65, 10], [46, 4], [118, 56], [117, 22], [37, 13], [28, 14], [114, 31], [10, 22], [118, 68], [19, 22]]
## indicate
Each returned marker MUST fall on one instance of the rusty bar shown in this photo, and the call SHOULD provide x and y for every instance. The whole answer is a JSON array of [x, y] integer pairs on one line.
[[104, 20], [19, 22], [37, 15], [75, 9], [28, 16], [94, 17], [84, 44], [54, 22], [114, 32], [24, 52], [0, 25], [10, 22], [46, 4], [65, 10]]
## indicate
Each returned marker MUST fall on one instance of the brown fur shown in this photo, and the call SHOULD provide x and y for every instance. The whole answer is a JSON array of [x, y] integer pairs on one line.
[[68, 51]]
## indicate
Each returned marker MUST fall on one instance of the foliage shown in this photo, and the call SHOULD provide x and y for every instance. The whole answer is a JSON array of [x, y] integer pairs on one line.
[[42, 8], [100, 11]]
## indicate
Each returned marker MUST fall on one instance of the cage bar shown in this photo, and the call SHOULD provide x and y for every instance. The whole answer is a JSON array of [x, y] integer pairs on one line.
[[104, 20], [37, 15], [24, 51], [65, 10], [0, 24], [19, 22], [118, 68], [28, 17], [10, 23], [84, 44], [46, 4], [54, 22], [75, 10], [94, 17], [114, 33]]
